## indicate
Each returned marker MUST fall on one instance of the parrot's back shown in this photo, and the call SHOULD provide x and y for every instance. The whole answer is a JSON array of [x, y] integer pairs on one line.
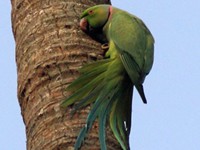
[[131, 35]]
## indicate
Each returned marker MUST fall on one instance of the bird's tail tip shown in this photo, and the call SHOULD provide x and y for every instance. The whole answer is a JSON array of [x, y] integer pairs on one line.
[[140, 90]]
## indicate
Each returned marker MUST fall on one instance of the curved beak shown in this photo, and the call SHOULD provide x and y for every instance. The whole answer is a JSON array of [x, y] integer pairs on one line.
[[83, 24]]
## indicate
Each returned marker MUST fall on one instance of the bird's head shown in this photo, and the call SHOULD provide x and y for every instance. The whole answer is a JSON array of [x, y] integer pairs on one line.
[[95, 17]]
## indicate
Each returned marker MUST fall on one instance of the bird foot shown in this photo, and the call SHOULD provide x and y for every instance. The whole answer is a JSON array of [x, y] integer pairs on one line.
[[105, 46]]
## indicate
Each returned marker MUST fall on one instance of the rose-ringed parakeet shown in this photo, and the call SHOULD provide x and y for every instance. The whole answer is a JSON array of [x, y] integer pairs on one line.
[[108, 84]]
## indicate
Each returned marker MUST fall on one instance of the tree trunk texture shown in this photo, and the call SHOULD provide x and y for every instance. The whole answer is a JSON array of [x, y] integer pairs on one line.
[[50, 47]]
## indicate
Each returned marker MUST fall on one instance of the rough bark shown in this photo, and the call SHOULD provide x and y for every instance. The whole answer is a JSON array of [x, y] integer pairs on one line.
[[50, 47]]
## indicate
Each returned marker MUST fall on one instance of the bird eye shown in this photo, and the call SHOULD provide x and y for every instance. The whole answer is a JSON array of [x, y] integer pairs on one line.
[[91, 12]]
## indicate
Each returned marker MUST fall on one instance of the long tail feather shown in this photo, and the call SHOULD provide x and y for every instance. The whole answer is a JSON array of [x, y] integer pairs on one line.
[[95, 65], [90, 98], [90, 120], [113, 125], [103, 114], [102, 101], [88, 73], [80, 138], [120, 117], [87, 81], [103, 83], [82, 92]]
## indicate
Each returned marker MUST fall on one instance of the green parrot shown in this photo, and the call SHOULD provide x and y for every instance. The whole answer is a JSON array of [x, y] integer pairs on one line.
[[108, 84]]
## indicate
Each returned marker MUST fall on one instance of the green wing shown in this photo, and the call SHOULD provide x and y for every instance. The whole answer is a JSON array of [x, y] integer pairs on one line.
[[136, 54], [140, 48]]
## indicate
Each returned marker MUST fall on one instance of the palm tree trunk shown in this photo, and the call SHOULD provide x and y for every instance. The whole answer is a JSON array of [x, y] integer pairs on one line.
[[50, 47]]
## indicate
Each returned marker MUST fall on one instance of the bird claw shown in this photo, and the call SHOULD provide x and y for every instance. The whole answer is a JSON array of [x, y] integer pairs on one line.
[[105, 46]]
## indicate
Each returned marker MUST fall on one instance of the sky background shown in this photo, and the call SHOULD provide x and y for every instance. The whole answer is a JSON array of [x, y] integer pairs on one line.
[[171, 119]]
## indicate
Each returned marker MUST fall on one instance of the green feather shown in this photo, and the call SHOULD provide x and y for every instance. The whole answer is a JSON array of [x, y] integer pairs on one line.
[[121, 113], [104, 112], [89, 72], [90, 98], [113, 125], [82, 87], [134, 73], [84, 91], [80, 138]]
